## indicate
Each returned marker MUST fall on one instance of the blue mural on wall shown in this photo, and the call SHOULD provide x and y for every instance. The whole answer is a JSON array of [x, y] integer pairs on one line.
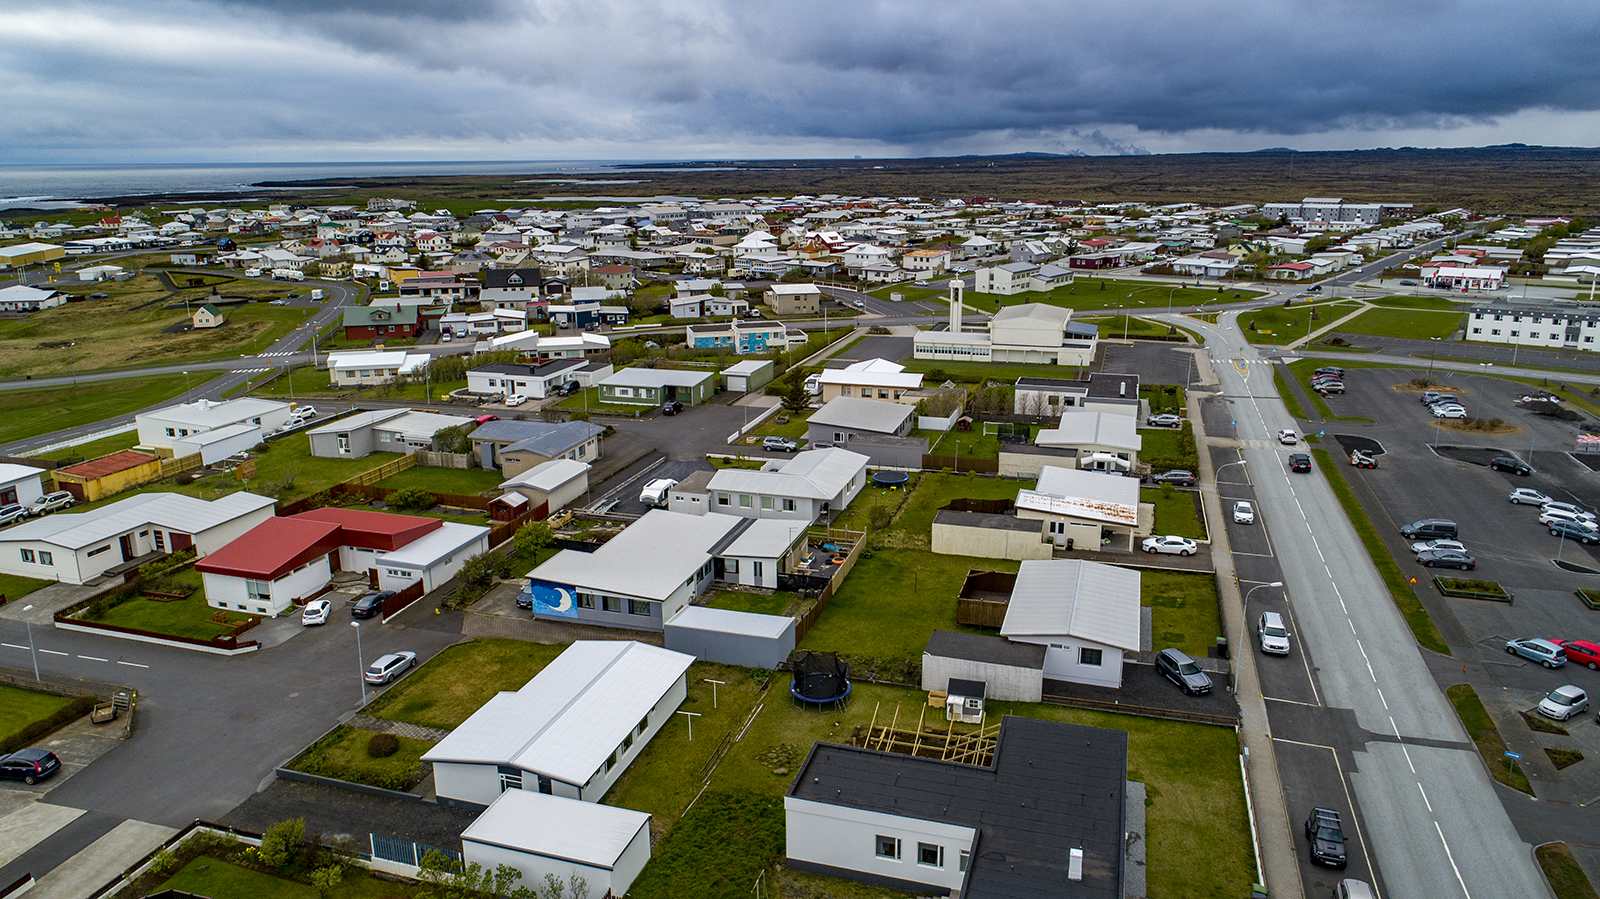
[[549, 598]]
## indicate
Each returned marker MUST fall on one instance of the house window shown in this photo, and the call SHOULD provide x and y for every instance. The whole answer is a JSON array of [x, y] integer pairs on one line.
[[731, 566], [585, 600], [766, 503], [644, 724], [722, 499], [510, 779], [883, 393], [744, 500], [930, 855], [962, 861], [1495, 332], [99, 549], [45, 558], [788, 504], [171, 432], [888, 847], [258, 591], [161, 542], [1087, 656], [627, 741], [611, 603], [844, 390], [27, 555], [638, 607]]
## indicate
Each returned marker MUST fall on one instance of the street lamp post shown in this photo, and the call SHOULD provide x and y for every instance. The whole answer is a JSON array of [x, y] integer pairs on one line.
[[31, 650], [1433, 353], [1127, 305], [185, 385], [361, 663], [1477, 408], [1244, 617], [1169, 298]]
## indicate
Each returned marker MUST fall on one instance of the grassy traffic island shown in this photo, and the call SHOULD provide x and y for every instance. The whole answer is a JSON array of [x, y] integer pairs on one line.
[[27, 715], [1491, 746]]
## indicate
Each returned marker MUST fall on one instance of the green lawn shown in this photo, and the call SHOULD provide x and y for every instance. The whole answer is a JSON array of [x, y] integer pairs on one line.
[[1168, 448], [1562, 870], [467, 481], [29, 413], [94, 449], [217, 879], [774, 603], [14, 586], [1416, 303], [1277, 325], [20, 708], [453, 684], [181, 617], [1486, 737], [1183, 610], [343, 754], [935, 490], [589, 400], [1291, 401], [1175, 511], [973, 444], [911, 294], [794, 426], [1412, 323], [1129, 327], [1087, 292], [1165, 397]]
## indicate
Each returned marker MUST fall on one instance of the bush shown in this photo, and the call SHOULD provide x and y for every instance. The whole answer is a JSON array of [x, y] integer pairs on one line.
[[382, 745], [412, 498], [185, 479], [281, 843]]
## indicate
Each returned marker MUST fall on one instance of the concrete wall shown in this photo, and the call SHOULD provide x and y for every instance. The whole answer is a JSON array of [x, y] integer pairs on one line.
[[1061, 661], [732, 649], [846, 838], [1006, 682], [987, 543]]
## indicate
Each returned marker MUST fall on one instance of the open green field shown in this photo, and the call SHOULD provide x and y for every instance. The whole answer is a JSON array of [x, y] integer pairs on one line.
[[343, 754], [1175, 511], [94, 449], [775, 603], [128, 328], [1183, 610], [1089, 292], [1435, 303], [1277, 325], [453, 684], [466, 481], [14, 586], [911, 293], [589, 401], [1414, 323], [1129, 327], [973, 444], [20, 708], [29, 413]]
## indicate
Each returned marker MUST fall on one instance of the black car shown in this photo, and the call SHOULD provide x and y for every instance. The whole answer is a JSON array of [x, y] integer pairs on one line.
[[1325, 833], [1511, 464], [1334, 370], [672, 407], [1181, 670], [29, 765], [1572, 530], [1177, 477], [1299, 462], [99, 296], [1431, 529], [370, 604], [569, 388]]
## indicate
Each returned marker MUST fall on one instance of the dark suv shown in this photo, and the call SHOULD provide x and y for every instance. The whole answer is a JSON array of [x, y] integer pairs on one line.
[[1299, 462], [1181, 670], [1511, 464], [1325, 833], [1177, 477], [1430, 529], [370, 604]]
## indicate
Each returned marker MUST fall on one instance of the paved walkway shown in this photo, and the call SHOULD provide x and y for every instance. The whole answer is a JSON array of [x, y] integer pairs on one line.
[[1296, 344], [398, 728]]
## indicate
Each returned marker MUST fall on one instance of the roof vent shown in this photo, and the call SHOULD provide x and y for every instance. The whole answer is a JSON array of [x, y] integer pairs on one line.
[[1075, 865]]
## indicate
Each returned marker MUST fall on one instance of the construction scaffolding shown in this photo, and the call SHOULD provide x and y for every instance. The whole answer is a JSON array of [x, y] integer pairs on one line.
[[969, 747]]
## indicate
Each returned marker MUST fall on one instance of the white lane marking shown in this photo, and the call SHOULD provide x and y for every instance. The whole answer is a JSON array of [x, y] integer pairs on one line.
[[1364, 658], [1452, 856], [1385, 703], [13, 646], [132, 664], [94, 658], [1312, 705], [55, 652], [1407, 753], [1425, 797]]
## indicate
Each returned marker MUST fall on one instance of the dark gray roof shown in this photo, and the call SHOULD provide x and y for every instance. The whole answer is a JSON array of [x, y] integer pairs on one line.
[[987, 520], [967, 688], [531, 371], [1053, 787], [1108, 385], [982, 648], [507, 277]]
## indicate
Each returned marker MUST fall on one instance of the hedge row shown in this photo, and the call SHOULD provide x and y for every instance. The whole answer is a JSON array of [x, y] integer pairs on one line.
[[72, 711]]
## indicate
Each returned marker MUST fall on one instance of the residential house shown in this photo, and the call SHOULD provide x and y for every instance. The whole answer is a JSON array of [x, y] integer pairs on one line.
[[21, 484], [535, 381], [926, 262], [363, 369], [742, 337], [381, 431], [381, 322], [1086, 509], [604, 845], [1085, 615], [656, 386], [873, 379], [1102, 441], [794, 299], [207, 316], [813, 484], [1099, 392], [27, 298], [222, 428], [532, 442], [512, 288], [555, 484]]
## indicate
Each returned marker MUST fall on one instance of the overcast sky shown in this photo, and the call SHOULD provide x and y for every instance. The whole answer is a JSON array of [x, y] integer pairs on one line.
[[313, 80]]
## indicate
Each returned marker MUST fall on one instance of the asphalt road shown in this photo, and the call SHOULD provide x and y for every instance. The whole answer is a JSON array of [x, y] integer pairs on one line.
[[1427, 810]]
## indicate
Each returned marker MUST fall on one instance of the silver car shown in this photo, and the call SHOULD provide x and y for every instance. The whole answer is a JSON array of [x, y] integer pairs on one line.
[[1272, 633], [1564, 702]]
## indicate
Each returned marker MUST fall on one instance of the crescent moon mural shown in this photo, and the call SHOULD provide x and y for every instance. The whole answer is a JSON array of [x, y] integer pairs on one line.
[[565, 605]]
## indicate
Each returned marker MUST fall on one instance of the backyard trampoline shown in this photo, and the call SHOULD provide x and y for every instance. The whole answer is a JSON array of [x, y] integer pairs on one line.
[[820, 680], [890, 478]]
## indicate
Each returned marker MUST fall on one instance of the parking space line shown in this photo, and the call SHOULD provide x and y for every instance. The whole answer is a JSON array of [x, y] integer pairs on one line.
[[1277, 739]]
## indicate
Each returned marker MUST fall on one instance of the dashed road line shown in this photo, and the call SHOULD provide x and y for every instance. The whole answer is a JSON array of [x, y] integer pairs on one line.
[[93, 658], [54, 652], [131, 664]]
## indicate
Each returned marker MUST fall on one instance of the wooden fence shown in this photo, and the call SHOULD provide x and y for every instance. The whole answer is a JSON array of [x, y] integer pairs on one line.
[[443, 460], [394, 604], [959, 463], [459, 500], [980, 612], [170, 467], [386, 470], [806, 621], [500, 533]]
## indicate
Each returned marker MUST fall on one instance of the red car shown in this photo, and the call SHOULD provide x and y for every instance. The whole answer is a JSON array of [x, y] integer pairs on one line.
[[1582, 652], [485, 419]]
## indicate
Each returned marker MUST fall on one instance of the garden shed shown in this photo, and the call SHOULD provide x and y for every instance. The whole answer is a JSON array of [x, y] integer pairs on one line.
[[539, 834], [731, 638], [1010, 671]]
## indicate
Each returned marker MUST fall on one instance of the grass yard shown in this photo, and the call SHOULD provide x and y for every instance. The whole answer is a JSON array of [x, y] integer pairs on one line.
[[793, 427], [934, 491], [1183, 610], [1175, 511], [1278, 325], [1561, 869], [1413, 323], [181, 617], [302, 381], [1088, 292], [206, 875], [130, 326], [911, 294], [864, 510], [456, 682], [1119, 327], [20, 708], [589, 400], [1400, 591], [1291, 401], [1475, 718], [718, 851], [1168, 448], [14, 586], [774, 603], [1165, 398], [1436, 303], [29, 413], [94, 449], [973, 444], [343, 754], [467, 481]]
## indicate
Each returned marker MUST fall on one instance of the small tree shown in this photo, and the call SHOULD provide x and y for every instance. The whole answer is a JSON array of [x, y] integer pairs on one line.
[[454, 439], [478, 570], [795, 398], [281, 843], [327, 878], [412, 498], [532, 537]]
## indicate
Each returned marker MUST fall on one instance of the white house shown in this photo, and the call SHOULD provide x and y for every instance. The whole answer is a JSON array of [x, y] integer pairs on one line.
[[1547, 328], [359, 369], [380, 431], [535, 381], [558, 482], [77, 547], [27, 298], [1011, 278], [216, 429], [20, 484], [811, 484], [570, 731], [1104, 441], [1086, 509], [605, 845], [870, 379], [1085, 614]]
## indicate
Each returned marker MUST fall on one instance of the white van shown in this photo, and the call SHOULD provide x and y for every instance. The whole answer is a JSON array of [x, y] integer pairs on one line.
[[655, 492]]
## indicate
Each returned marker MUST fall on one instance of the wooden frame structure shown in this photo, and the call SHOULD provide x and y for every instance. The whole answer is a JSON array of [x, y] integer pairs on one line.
[[972, 748]]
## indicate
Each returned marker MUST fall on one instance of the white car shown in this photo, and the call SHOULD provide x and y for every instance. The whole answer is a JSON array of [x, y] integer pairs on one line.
[[1449, 410], [390, 666], [1243, 513], [1272, 633], [1287, 437], [1527, 496], [316, 612], [516, 399], [1550, 516], [1570, 509], [1171, 543], [1564, 702], [1425, 545]]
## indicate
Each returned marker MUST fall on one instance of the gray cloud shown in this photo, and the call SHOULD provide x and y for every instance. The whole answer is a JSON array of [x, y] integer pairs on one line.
[[452, 78]]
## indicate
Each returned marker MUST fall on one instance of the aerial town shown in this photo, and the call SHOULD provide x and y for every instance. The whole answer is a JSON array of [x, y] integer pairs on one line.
[[577, 549]]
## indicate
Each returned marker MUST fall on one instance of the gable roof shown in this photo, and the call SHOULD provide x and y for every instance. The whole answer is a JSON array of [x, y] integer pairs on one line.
[[591, 833], [1100, 428], [174, 511], [273, 547], [813, 474], [1085, 600], [650, 559]]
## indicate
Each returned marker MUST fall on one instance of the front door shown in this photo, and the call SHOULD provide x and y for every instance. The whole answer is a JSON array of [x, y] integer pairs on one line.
[[8, 495], [127, 547], [372, 578]]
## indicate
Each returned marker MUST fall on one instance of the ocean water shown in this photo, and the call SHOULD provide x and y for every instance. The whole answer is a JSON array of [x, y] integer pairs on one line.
[[62, 186]]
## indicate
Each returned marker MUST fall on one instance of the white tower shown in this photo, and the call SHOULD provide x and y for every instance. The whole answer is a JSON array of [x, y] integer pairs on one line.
[[956, 286]]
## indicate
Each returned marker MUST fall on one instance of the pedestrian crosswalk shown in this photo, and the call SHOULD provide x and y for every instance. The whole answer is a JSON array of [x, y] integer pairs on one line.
[[283, 353], [249, 371]]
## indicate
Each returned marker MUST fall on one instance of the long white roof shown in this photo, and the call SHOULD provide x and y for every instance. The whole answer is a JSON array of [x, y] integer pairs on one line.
[[10, 473], [589, 833], [444, 540], [1099, 428], [1086, 600], [206, 414], [873, 373], [548, 476], [186, 514], [649, 559], [572, 715], [814, 474]]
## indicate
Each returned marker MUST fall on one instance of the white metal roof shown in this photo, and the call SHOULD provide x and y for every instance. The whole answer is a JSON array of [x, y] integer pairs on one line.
[[357, 421], [423, 424], [1097, 428], [765, 538], [873, 373], [657, 377], [439, 543], [10, 473], [1094, 486], [186, 514], [205, 414], [1039, 312], [588, 833], [572, 715], [814, 474], [747, 367], [727, 621], [547, 476], [649, 559], [217, 435], [862, 415], [1086, 600]]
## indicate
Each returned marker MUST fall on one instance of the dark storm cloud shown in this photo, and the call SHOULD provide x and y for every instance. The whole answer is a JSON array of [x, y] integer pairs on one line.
[[399, 75]]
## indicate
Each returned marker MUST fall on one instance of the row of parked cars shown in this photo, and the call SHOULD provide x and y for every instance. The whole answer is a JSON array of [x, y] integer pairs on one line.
[[11, 513], [1443, 405], [1328, 379], [1562, 519]]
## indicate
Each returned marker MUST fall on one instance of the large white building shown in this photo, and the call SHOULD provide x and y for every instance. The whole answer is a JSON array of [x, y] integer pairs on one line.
[[212, 429], [1033, 333], [1549, 328], [570, 731], [1011, 278]]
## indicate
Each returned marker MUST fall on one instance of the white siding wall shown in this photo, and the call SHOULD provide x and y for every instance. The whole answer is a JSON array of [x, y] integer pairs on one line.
[[630, 862], [218, 450], [565, 494], [223, 534], [847, 838], [747, 572], [445, 570], [1061, 661], [660, 713], [223, 591], [1006, 682], [388, 580], [28, 489], [467, 782], [63, 565], [535, 867], [990, 543]]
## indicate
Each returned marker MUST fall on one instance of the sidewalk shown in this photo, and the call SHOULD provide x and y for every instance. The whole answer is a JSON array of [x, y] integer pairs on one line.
[[1296, 344]]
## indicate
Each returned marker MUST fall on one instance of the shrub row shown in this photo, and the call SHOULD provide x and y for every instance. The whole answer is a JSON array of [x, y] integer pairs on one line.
[[31, 732]]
